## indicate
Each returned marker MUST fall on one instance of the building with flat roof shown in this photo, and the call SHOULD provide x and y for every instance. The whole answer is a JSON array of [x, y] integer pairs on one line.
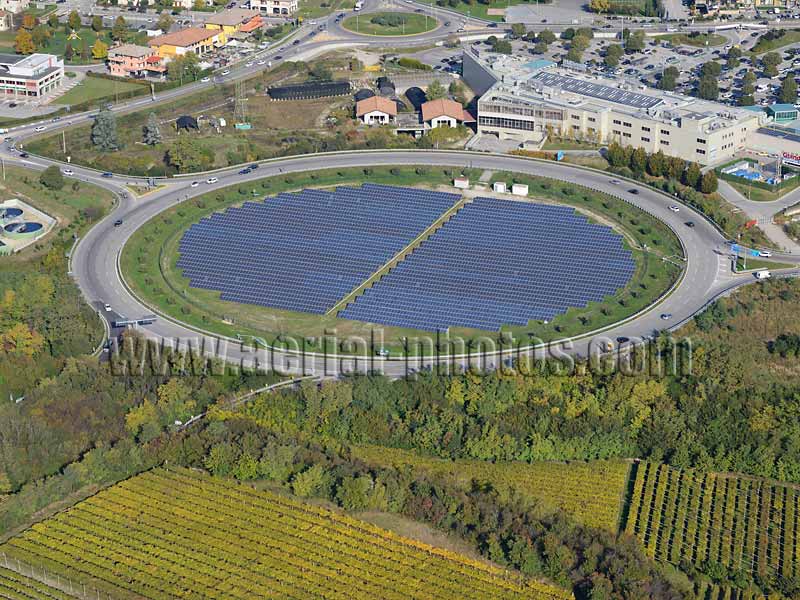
[[231, 20], [525, 103], [130, 60], [782, 113], [32, 76], [192, 39], [274, 7]]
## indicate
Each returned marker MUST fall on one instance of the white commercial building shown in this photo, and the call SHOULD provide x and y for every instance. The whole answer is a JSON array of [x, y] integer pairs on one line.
[[14, 6], [31, 76], [528, 102], [274, 7]]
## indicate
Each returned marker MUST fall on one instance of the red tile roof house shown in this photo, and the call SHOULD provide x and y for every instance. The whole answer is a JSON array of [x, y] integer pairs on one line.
[[129, 60], [376, 111], [444, 113]]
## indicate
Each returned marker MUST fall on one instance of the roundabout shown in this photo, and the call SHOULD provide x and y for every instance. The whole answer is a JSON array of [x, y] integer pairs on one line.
[[394, 24], [97, 270], [537, 260]]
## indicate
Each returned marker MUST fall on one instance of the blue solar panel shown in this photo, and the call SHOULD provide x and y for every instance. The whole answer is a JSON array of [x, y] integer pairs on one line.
[[499, 262], [305, 251]]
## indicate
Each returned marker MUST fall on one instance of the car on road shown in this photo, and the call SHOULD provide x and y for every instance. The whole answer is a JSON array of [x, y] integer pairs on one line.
[[623, 339], [249, 63], [294, 43], [690, 223], [244, 171], [261, 62], [68, 172], [253, 167], [226, 72], [447, 23], [206, 79], [666, 316], [195, 183], [279, 57], [39, 129], [633, 191], [765, 254], [674, 208], [615, 181], [107, 307], [118, 222], [23, 155], [12, 105], [211, 180], [107, 175]]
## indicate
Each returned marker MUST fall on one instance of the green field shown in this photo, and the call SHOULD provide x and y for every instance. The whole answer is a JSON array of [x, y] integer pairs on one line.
[[698, 41], [761, 195], [412, 23], [313, 9], [149, 264], [95, 88]]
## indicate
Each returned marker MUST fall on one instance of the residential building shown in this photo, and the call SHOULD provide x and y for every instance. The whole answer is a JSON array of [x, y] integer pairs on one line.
[[6, 20], [444, 113], [531, 104], [32, 76], [130, 60], [376, 110], [232, 20], [274, 7], [14, 6], [134, 2], [192, 39]]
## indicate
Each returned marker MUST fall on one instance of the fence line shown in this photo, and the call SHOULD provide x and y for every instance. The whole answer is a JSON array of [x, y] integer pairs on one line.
[[54, 580]]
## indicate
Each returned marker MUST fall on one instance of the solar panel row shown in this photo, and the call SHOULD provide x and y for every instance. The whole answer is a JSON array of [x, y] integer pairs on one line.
[[305, 251], [495, 263]]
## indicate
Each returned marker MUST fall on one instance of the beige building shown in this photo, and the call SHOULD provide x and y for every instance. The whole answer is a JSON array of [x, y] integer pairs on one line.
[[444, 113], [14, 6], [274, 7], [554, 101]]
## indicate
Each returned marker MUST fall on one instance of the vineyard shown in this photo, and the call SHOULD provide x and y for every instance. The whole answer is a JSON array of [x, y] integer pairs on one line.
[[707, 591], [592, 492], [16, 587], [739, 522], [181, 534]]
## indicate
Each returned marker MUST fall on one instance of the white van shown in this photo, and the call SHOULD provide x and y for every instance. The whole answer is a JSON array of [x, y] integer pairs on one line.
[[763, 274]]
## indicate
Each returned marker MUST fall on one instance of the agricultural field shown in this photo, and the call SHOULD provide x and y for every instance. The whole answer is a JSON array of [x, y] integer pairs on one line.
[[592, 492], [742, 523], [183, 534], [14, 586]]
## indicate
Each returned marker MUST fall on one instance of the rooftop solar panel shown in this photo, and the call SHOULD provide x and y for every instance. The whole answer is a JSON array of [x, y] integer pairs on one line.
[[596, 90]]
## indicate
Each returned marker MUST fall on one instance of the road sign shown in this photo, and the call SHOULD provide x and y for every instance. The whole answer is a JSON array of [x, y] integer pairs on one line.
[[755, 253]]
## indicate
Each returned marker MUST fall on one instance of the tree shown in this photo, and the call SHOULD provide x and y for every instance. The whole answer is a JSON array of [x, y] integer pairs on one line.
[[151, 135], [749, 83], [639, 161], [692, 174], [23, 43], [669, 79], [616, 155], [502, 47], [186, 155], [119, 32], [52, 20], [99, 49], [708, 184], [20, 340], [657, 164], [84, 50], [104, 131], [613, 53], [29, 22], [770, 62], [540, 47], [97, 23], [635, 41], [69, 51], [40, 36], [708, 88], [52, 178], [435, 90], [747, 100], [734, 54], [164, 22], [74, 20], [568, 33], [518, 30], [788, 93], [599, 6], [711, 69], [546, 36]]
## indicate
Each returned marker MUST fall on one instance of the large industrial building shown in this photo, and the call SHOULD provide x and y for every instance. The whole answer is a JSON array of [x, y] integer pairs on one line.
[[527, 101]]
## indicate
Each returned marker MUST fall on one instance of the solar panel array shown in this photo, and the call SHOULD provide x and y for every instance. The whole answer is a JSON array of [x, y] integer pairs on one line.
[[596, 90], [499, 262], [305, 251]]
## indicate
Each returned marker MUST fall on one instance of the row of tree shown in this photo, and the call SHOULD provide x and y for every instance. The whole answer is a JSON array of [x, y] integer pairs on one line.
[[658, 164]]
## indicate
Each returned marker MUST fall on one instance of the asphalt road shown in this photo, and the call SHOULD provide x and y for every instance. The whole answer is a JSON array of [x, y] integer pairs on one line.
[[95, 259]]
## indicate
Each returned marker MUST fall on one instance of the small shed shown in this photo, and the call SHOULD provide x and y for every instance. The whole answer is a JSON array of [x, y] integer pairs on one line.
[[461, 183], [519, 189], [186, 122], [499, 187]]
